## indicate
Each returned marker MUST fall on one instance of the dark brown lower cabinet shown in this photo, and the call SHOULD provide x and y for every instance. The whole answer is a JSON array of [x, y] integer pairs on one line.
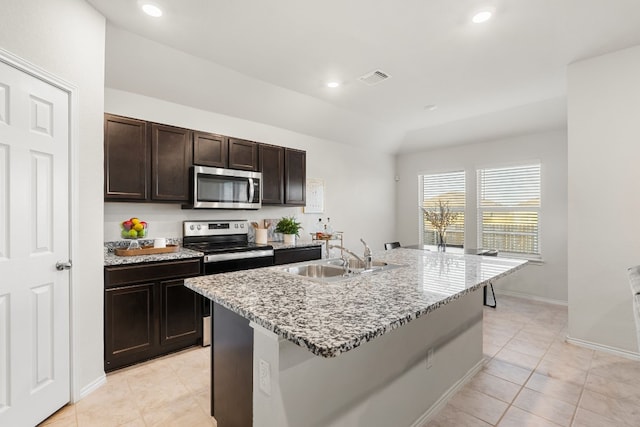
[[289, 255], [148, 312], [181, 314], [130, 324]]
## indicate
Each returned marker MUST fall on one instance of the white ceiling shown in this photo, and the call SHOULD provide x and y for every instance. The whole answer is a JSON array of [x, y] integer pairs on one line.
[[488, 80]]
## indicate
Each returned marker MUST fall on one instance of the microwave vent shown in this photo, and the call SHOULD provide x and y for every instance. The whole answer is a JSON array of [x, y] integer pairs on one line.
[[374, 77]]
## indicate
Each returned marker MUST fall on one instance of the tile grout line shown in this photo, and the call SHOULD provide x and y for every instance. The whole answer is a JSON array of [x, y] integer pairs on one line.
[[528, 378]]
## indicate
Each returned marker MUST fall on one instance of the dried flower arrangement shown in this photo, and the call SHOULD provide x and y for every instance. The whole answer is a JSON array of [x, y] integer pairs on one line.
[[440, 218]]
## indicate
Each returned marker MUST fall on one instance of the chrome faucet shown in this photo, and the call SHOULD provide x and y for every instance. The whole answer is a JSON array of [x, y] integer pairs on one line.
[[368, 258], [345, 261], [342, 248]]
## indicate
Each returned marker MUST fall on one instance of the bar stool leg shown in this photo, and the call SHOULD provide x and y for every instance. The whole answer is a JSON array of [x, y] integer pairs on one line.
[[484, 296]]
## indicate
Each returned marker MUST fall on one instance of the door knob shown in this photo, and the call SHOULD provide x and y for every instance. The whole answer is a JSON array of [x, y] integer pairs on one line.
[[63, 265]]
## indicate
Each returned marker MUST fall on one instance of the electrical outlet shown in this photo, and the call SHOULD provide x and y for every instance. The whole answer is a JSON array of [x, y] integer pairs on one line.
[[430, 358], [265, 377]]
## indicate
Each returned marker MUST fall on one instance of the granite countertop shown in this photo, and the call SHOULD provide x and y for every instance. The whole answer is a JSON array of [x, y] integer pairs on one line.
[[111, 259], [335, 317]]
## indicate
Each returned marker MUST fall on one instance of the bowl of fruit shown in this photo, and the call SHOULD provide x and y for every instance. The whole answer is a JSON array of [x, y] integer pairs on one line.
[[133, 228]]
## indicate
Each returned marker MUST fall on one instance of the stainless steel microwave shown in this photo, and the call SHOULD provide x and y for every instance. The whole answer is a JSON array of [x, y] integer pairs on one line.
[[217, 188]]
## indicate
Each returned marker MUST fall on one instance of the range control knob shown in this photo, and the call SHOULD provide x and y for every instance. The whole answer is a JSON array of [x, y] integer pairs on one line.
[[191, 227], [199, 227], [235, 225], [241, 225]]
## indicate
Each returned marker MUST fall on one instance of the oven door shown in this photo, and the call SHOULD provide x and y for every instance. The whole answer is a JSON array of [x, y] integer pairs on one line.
[[217, 188]]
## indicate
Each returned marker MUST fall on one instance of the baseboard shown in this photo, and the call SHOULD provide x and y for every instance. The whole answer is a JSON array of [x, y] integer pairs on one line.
[[442, 401], [531, 297], [604, 348], [91, 387]]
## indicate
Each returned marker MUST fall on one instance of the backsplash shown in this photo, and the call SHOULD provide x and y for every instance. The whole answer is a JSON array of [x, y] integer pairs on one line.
[[165, 220], [116, 244]]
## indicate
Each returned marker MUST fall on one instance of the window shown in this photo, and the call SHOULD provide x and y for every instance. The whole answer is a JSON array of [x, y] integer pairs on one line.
[[449, 188], [509, 209]]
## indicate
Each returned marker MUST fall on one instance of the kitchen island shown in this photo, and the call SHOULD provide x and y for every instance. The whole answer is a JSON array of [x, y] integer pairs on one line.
[[374, 349]]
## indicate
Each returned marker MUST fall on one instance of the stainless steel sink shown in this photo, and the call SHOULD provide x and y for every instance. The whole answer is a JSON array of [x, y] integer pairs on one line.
[[331, 270], [317, 270], [358, 265]]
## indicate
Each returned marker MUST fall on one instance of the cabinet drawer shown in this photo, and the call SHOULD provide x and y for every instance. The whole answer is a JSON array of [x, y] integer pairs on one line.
[[287, 256], [122, 275]]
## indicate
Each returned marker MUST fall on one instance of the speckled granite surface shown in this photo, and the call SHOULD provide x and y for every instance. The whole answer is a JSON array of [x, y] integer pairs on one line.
[[331, 318], [111, 259]]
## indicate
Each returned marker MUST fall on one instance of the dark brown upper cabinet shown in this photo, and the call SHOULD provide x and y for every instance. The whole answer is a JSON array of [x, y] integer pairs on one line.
[[295, 177], [243, 154], [126, 159], [145, 161], [210, 149], [272, 168], [170, 162]]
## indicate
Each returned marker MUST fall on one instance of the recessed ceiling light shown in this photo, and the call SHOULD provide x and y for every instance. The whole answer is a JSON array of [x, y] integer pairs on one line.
[[431, 107], [152, 10], [333, 84], [482, 16]]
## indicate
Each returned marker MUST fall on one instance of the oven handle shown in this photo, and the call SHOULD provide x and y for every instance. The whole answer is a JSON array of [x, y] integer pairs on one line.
[[251, 190], [238, 255]]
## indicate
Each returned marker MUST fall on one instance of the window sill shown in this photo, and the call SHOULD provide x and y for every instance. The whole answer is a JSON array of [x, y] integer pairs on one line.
[[533, 259]]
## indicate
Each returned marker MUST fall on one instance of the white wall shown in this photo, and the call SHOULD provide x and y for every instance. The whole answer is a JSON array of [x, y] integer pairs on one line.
[[355, 182], [67, 38], [546, 281], [604, 201]]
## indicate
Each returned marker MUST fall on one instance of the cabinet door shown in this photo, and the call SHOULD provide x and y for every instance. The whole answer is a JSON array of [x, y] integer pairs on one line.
[[126, 159], [243, 154], [272, 168], [295, 177], [210, 149], [181, 319], [130, 325], [171, 159]]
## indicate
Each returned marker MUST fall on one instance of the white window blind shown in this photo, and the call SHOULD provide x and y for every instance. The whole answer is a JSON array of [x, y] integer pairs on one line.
[[450, 188], [509, 209]]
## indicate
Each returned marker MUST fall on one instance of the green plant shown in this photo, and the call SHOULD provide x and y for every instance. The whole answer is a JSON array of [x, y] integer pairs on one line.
[[288, 225]]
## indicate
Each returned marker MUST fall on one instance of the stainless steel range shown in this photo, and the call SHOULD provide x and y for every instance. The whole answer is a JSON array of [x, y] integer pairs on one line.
[[227, 248]]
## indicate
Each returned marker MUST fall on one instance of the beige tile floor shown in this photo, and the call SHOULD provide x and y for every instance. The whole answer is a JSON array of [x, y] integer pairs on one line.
[[531, 378], [169, 391]]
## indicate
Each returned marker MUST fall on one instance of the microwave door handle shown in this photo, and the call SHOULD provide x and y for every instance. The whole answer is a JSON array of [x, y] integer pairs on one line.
[[250, 190]]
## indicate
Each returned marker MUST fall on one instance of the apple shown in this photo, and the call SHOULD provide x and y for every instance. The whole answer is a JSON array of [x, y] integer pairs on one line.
[[127, 225], [133, 234], [138, 227], [135, 221]]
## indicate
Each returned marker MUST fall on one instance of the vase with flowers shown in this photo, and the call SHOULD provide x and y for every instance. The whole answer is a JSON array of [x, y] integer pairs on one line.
[[440, 217]]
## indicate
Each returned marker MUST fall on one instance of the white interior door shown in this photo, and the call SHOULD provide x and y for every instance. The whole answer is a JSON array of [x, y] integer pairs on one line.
[[34, 235]]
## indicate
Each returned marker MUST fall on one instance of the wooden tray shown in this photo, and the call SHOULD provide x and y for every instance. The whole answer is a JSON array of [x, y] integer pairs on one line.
[[146, 250]]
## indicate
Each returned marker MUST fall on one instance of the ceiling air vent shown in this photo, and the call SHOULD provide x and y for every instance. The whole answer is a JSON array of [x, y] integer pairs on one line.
[[374, 77]]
